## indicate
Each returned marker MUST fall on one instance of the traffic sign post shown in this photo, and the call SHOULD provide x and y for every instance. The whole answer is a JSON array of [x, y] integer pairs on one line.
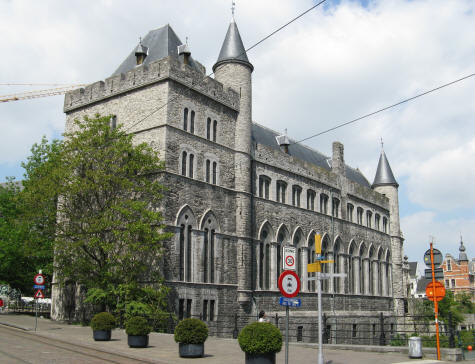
[[39, 280], [435, 288], [289, 286], [317, 267]]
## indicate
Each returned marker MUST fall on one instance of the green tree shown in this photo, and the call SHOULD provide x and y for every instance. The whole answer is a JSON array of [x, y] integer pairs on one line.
[[16, 265], [449, 306], [27, 224], [465, 303], [108, 227]]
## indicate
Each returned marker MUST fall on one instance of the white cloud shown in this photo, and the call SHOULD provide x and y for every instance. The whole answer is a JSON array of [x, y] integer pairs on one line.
[[335, 63], [422, 226]]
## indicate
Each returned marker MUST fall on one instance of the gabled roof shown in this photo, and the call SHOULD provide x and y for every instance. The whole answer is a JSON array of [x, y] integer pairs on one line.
[[265, 136], [422, 284], [232, 49], [384, 174], [161, 43], [412, 269]]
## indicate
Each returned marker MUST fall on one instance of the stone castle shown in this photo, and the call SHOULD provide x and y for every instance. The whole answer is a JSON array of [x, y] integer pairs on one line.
[[239, 192]]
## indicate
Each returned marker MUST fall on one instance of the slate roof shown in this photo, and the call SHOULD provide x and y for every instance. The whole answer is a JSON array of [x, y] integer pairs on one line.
[[422, 284], [265, 136], [161, 43], [384, 174], [232, 48]]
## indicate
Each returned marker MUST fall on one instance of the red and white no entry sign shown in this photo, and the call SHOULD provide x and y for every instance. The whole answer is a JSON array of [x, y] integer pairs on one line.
[[39, 279], [289, 284]]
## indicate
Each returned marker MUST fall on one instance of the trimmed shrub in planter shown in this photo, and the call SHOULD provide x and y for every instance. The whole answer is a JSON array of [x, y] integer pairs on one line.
[[102, 324], [137, 330], [191, 334], [260, 341]]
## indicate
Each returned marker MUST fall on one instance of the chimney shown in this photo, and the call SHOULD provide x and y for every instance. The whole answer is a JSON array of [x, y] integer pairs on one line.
[[140, 53], [184, 51], [338, 160], [283, 141]]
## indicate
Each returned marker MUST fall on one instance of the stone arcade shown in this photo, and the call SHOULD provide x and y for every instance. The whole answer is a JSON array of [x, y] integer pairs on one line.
[[238, 192]]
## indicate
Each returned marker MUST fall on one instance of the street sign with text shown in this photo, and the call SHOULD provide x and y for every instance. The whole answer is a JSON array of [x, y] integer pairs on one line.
[[291, 302], [288, 259]]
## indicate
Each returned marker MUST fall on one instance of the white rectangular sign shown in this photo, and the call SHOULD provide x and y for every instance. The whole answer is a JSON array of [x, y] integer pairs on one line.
[[288, 259]]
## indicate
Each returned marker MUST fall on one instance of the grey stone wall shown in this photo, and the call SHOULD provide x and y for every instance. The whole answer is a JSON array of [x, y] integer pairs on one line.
[[149, 101]]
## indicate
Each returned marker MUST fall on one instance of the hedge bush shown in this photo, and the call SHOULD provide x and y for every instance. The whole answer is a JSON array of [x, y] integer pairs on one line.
[[137, 326], [260, 338], [191, 331], [103, 321]]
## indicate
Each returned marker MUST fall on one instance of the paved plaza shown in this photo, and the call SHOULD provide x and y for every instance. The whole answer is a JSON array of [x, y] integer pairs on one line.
[[163, 349]]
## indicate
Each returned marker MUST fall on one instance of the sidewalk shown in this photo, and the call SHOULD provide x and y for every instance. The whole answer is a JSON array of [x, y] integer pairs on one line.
[[163, 349]]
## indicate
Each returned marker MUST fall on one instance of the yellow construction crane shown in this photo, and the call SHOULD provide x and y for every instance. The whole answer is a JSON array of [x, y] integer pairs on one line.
[[38, 93]]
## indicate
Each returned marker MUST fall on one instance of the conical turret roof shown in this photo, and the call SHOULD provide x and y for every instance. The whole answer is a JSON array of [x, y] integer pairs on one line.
[[232, 49], [384, 174]]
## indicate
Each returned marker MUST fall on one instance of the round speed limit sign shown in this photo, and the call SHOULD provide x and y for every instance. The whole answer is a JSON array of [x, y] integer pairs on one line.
[[39, 279], [289, 284]]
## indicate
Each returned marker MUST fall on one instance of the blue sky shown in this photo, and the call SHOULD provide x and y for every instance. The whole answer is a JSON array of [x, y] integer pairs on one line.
[[336, 63]]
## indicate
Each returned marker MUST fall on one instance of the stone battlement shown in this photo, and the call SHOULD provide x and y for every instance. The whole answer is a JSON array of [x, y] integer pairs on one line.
[[166, 68]]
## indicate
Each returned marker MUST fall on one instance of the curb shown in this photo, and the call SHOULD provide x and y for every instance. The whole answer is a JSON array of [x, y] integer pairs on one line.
[[15, 326]]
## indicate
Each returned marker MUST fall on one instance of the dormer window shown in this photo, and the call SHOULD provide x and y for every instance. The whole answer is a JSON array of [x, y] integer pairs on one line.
[[140, 53]]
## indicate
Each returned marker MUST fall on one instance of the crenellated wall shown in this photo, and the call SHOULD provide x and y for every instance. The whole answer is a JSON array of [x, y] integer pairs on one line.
[[141, 76]]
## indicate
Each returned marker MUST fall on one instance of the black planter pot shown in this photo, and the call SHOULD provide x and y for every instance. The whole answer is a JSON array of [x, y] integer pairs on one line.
[[260, 358], [101, 335], [191, 350], [137, 341]]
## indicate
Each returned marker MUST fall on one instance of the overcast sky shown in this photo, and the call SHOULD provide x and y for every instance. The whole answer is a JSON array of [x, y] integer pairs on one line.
[[338, 62]]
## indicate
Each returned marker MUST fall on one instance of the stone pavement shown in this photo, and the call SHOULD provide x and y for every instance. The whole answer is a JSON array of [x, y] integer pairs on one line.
[[163, 349]]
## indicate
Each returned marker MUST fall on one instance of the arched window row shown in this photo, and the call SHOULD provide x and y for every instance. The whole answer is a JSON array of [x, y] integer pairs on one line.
[[373, 221], [211, 170], [368, 270], [328, 204], [188, 165], [211, 126], [200, 253]]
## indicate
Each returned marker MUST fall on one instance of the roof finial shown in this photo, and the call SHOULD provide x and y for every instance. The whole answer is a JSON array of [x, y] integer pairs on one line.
[[233, 7], [382, 144], [186, 40]]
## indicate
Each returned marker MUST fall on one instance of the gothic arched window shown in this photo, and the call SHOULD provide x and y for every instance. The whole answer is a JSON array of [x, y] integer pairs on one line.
[[183, 163], [208, 128], [192, 122], [185, 119]]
